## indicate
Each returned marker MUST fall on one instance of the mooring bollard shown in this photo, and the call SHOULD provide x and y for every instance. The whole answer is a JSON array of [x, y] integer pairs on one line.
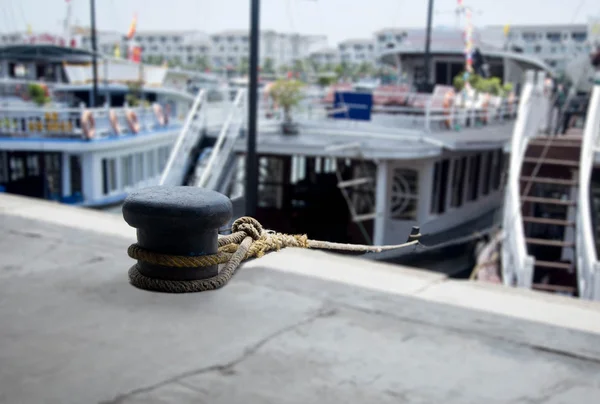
[[415, 234], [177, 221]]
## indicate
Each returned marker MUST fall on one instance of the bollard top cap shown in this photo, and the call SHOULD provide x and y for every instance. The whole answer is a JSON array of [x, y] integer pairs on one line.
[[177, 207]]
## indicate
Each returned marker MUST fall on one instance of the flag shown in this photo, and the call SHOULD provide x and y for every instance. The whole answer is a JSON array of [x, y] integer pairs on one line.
[[135, 54], [29, 30], [132, 28], [117, 50], [506, 29]]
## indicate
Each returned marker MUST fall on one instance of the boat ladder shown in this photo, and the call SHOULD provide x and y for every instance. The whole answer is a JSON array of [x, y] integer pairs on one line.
[[182, 154], [548, 184]]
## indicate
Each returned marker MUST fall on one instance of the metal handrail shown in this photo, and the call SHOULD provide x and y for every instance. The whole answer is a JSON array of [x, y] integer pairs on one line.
[[217, 150], [587, 259], [516, 262], [182, 140]]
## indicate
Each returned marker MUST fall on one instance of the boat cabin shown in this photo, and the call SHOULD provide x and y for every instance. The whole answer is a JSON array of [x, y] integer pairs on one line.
[[447, 61]]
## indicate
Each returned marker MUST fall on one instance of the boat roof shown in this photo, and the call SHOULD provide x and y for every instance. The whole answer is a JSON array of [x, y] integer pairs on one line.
[[369, 140], [390, 56], [56, 53]]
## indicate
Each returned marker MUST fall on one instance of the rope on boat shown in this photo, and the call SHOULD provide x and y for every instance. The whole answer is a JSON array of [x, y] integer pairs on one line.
[[247, 240]]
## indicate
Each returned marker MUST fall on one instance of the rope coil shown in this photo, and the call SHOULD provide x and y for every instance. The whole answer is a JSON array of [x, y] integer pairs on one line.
[[247, 240]]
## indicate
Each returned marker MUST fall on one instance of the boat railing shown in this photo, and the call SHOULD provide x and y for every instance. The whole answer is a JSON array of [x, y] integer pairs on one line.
[[517, 264], [587, 259], [80, 123], [211, 172], [10, 86], [179, 159], [448, 112]]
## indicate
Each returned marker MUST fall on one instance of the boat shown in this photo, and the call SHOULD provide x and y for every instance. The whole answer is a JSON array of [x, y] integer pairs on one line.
[[366, 165], [57, 143]]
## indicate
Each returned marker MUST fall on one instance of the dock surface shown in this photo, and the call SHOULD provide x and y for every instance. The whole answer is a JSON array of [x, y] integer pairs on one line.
[[296, 326]]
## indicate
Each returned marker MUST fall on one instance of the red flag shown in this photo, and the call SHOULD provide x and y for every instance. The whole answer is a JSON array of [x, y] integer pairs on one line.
[[135, 54]]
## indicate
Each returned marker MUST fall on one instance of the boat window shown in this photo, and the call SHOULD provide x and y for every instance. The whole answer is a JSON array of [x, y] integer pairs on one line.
[[440, 185], [496, 170], [33, 166], [270, 182], [458, 182], [126, 171], [75, 170], [17, 170], [109, 171], [488, 174], [474, 172], [3, 167], [405, 194]]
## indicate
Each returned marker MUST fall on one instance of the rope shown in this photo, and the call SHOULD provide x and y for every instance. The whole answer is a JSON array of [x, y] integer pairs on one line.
[[247, 240]]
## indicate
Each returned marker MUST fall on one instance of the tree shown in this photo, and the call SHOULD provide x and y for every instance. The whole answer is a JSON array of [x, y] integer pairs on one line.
[[38, 93], [366, 68], [268, 66], [284, 69], [202, 63], [176, 61], [343, 69], [244, 66], [287, 93], [298, 66], [492, 85]]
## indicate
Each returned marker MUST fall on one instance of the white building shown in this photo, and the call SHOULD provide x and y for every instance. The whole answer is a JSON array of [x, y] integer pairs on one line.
[[232, 47], [325, 57], [181, 47], [557, 45], [357, 51]]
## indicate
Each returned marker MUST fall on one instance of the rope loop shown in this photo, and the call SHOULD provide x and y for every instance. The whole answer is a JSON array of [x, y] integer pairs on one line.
[[248, 225]]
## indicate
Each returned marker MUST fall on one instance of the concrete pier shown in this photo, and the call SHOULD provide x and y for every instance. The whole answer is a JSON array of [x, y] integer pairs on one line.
[[295, 326]]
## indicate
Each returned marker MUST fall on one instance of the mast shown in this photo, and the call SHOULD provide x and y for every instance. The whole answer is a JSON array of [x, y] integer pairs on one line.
[[251, 188], [94, 55], [67, 24], [427, 56]]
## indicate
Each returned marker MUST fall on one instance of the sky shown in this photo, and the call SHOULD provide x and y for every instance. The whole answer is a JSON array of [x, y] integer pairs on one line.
[[338, 19]]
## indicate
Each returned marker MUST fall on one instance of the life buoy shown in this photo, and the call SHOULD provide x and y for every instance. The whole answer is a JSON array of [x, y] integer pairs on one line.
[[88, 124], [132, 121], [447, 105], [159, 113], [114, 122]]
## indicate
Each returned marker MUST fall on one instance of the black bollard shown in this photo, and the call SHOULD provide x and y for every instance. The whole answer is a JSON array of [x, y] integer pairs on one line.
[[415, 234], [177, 221]]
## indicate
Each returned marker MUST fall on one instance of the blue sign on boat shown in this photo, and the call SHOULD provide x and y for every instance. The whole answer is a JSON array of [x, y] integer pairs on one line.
[[348, 105]]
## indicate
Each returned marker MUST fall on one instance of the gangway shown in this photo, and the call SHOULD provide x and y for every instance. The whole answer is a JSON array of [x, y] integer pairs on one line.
[[215, 171], [180, 159]]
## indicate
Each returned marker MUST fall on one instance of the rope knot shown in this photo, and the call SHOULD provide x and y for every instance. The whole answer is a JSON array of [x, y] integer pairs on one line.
[[248, 225]]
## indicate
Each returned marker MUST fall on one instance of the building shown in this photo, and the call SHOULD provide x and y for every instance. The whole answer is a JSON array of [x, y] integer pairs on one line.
[[232, 47], [226, 49], [357, 51], [325, 57], [179, 47], [556, 45]]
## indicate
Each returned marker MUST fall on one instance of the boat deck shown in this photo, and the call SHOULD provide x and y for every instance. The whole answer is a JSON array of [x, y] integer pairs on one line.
[[325, 137], [295, 326]]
